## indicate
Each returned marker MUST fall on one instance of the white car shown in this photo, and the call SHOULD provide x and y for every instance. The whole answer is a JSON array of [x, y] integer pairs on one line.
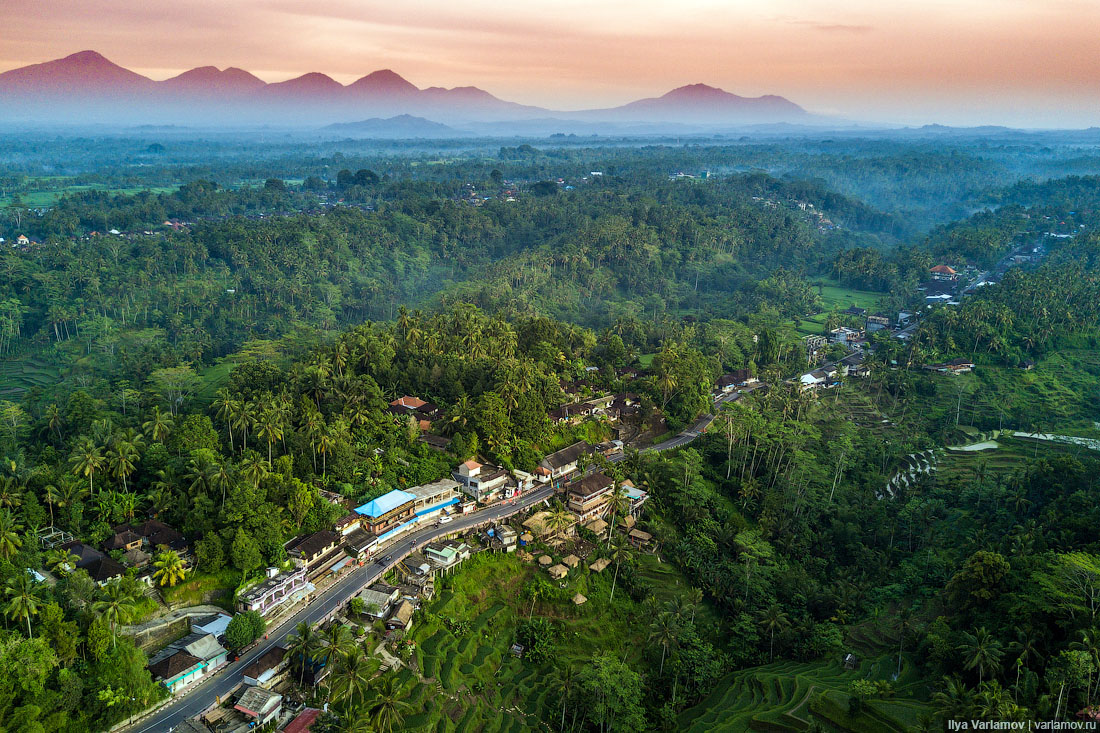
[[444, 520]]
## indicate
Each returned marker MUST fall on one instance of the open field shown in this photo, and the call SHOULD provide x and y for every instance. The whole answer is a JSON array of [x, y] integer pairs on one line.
[[42, 199]]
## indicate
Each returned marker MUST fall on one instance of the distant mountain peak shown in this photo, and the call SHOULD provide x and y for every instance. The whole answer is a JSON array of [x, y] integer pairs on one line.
[[85, 57], [384, 80]]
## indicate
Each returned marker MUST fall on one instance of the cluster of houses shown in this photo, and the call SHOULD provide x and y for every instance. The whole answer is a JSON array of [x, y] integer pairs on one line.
[[129, 546]]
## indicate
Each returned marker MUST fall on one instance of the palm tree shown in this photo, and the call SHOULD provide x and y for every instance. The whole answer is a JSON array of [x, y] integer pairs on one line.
[[664, 632], [351, 678], [22, 602], [1090, 644], [86, 460], [617, 501], [301, 645], [269, 427], [115, 604], [169, 568], [10, 539], [774, 620], [695, 600], [983, 651], [49, 495], [225, 409], [53, 420], [558, 518], [565, 677], [619, 552], [61, 560], [1026, 648], [11, 497], [254, 468], [158, 427], [324, 447], [337, 639], [955, 701], [386, 706]]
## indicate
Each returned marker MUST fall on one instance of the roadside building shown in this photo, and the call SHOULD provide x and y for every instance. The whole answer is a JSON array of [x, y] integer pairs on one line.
[[559, 466], [388, 514], [431, 499], [589, 496], [263, 671], [176, 670], [483, 482], [277, 589], [259, 704]]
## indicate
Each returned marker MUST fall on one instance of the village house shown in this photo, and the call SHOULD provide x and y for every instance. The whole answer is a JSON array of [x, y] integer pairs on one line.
[[278, 588], [360, 544], [259, 704], [379, 598], [176, 670], [100, 567], [447, 554], [311, 549], [638, 538], [877, 322], [483, 482], [815, 346], [151, 536], [347, 524], [635, 496], [304, 721], [263, 671], [626, 405], [390, 513], [401, 619], [944, 273], [589, 496], [436, 442], [504, 538], [845, 335], [203, 646], [854, 311], [955, 366], [729, 383], [558, 467], [215, 624]]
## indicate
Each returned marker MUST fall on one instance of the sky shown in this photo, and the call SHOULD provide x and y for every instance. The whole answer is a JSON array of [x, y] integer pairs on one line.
[[1032, 63]]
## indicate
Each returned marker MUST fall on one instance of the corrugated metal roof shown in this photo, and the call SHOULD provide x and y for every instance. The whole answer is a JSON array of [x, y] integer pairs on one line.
[[385, 503]]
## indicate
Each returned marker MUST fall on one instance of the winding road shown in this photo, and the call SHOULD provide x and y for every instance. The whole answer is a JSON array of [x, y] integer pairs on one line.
[[207, 693]]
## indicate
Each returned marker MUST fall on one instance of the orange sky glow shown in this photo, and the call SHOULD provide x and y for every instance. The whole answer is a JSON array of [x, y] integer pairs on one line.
[[1021, 62]]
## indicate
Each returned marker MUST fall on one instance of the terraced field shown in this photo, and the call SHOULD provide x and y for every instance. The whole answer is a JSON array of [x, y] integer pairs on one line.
[[787, 696], [472, 683], [19, 375]]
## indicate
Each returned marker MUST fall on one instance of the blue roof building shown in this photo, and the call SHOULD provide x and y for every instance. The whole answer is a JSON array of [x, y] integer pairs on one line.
[[387, 511], [385, 504]]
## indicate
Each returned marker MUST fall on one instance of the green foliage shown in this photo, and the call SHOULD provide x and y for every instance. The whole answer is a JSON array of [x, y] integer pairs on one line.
[[244, 628]]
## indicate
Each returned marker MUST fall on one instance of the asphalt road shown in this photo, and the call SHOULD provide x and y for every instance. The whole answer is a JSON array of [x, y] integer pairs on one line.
[[319, 608]]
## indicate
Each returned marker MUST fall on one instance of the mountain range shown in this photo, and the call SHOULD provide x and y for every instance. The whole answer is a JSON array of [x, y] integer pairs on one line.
[[86, 87]]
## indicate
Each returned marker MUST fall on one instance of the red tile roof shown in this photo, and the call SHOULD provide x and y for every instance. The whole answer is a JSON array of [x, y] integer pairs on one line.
[[302, 723]]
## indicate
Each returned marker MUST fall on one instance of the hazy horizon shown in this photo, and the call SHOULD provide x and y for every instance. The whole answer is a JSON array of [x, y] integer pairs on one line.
[[1009, 62]]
